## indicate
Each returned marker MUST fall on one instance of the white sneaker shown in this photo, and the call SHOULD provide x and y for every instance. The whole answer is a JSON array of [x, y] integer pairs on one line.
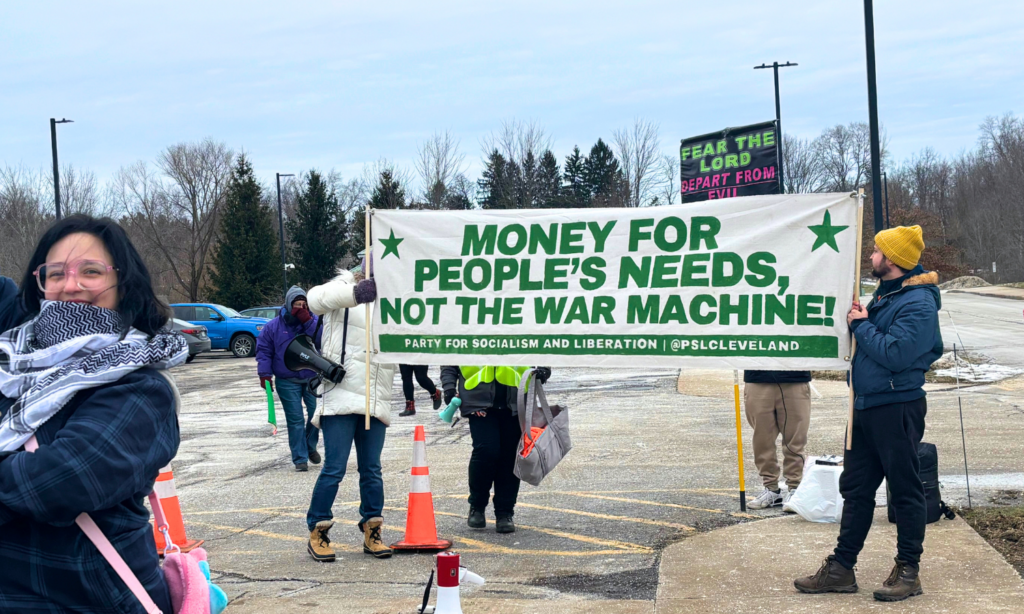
[[765, 500], [786, 496]]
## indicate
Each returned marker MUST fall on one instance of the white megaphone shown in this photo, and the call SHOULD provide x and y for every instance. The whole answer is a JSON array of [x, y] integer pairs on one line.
[[449, 576]]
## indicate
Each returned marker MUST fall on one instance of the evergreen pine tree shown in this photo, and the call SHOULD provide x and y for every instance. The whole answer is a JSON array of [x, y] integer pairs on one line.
[[245, 272], [549, 182], [389, 193], [603, 177], [527, 192], [317, 232], [577, 194], [496, 184]]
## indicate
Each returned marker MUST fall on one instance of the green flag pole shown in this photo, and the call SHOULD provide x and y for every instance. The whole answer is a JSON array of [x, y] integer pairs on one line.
[[271, 415]]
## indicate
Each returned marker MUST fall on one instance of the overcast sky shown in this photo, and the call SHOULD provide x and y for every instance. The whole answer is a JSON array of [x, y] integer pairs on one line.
[[339, 84]]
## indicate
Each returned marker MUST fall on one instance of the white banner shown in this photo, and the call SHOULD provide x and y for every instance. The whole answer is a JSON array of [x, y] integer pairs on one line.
[[761, 282]]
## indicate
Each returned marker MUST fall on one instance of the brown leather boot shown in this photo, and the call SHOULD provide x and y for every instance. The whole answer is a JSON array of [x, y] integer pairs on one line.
[[831, 578], [372, 541], [319, 545], [410, 409], [902, 583]]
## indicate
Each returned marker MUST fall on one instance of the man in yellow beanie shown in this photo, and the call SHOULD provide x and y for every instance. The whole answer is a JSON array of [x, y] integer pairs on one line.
[[897, 341]]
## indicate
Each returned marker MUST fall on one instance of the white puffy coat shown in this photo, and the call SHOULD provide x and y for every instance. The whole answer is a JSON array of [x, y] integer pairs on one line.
[[349, 397]]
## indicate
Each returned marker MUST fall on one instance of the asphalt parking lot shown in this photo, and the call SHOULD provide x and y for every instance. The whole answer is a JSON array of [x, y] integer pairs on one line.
[[654, 461]]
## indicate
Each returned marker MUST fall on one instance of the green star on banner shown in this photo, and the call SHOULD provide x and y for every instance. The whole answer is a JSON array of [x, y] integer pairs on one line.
[[826, 233], [391, 246]]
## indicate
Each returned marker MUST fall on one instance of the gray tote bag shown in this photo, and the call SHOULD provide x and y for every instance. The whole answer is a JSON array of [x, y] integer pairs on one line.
[[553, 443]]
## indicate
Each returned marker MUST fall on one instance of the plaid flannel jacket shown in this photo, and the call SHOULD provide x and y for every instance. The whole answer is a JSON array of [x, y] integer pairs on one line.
[[100, 454]]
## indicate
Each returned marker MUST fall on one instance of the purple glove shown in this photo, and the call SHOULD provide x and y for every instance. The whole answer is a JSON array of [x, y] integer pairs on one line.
[[365, 291]]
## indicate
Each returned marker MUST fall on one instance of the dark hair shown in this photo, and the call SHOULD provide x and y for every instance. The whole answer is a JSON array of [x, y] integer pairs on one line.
[[137, 302]]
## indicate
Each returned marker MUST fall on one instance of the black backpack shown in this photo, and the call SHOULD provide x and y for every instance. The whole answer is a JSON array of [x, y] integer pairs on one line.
[[935, 507]]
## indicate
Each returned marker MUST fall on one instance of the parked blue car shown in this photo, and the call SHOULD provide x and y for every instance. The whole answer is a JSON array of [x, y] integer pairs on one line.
[[228, 329]]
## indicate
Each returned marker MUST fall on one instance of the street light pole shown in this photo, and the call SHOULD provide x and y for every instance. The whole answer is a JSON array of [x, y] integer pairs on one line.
[[876, 162], [56, 170], [885, 183], [778, 116], [280, 223]]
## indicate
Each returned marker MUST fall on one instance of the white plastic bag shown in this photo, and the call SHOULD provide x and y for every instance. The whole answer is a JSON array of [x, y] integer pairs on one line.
[[817, 499]]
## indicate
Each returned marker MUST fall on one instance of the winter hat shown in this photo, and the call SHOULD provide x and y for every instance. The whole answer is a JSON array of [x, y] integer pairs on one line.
[[294, 293], [903, 245]]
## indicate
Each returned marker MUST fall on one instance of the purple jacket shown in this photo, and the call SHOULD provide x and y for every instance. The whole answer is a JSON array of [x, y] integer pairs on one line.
[[274, 340]]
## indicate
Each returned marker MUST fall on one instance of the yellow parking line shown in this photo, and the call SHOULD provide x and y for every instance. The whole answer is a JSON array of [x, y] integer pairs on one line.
[[280, 536], [477, 546], [625, 546], [265, 510], [672, 505], [571, 536], [657, 523], [480, 547], [718, 492]]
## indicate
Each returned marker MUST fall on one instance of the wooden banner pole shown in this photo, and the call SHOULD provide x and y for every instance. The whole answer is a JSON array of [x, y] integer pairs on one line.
[[368, 273], [856, 297]]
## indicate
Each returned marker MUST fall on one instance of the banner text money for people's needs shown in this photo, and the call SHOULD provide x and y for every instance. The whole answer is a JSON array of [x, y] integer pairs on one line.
[[758, 282]]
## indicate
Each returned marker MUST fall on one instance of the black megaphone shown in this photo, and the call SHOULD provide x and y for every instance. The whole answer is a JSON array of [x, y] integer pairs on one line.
[[301, 354]]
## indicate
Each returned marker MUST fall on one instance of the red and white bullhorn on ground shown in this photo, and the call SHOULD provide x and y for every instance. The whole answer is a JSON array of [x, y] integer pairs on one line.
[[449, 576]]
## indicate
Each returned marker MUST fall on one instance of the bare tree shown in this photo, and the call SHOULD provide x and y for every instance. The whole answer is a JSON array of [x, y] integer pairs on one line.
[[800, 164], [438, 165], [161, 238], [22, 197], [667, 179], [844, 157], [637, 149], [79, 193], [517, 139], [178, 213]]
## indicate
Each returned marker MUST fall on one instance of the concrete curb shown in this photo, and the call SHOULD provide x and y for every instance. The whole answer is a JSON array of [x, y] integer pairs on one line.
[[1015, 294], [751, 568]]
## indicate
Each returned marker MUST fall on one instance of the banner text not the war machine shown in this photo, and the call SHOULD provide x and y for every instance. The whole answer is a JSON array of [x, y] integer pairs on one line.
[[748, 282]]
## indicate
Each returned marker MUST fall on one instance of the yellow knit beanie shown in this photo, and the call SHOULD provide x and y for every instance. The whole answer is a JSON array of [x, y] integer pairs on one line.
[[903, 245]]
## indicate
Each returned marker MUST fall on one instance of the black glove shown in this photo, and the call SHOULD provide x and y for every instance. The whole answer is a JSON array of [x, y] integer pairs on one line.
[[449, 394], [543, 373]]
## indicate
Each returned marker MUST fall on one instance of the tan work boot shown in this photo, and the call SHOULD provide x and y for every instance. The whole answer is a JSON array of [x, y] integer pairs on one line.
[[902, 583], [831, 578], [372, 541], [319, 545]]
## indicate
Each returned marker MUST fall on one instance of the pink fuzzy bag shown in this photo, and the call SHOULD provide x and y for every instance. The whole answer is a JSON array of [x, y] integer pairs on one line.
[[189, 588]]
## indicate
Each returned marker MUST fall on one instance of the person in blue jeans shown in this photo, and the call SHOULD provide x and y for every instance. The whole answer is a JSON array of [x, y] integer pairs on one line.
[[293, 387], [342, 416]]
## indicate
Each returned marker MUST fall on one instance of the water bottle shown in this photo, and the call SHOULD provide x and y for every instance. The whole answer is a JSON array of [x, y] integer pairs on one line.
[[449, 412]]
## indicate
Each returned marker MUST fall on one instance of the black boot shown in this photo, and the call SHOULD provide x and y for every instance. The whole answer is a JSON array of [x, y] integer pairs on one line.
[[902, 583], [476, 519], [314, 456], [831, 578], [410, 409], [503, 524]]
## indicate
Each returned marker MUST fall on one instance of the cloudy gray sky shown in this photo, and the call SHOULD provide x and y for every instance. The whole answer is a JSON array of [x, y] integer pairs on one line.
[[338, 84]]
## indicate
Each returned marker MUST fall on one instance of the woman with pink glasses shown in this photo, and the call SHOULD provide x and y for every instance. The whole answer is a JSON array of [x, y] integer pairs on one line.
[[80, 373]]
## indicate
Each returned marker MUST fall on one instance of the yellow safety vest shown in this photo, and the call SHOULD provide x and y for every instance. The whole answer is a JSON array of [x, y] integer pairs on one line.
[[509, 376]]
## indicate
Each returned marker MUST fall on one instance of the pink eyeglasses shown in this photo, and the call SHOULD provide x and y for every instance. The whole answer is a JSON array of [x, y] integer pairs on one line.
[[88, 274]]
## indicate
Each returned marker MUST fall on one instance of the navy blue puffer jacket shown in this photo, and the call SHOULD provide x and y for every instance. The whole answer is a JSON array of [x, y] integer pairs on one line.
[[898, 342]]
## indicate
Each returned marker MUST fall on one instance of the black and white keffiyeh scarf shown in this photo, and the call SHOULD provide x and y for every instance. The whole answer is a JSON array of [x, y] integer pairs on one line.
[[67, 348]]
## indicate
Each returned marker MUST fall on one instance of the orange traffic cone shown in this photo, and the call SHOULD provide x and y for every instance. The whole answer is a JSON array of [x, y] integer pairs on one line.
[[164, 489], [420, 527]]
